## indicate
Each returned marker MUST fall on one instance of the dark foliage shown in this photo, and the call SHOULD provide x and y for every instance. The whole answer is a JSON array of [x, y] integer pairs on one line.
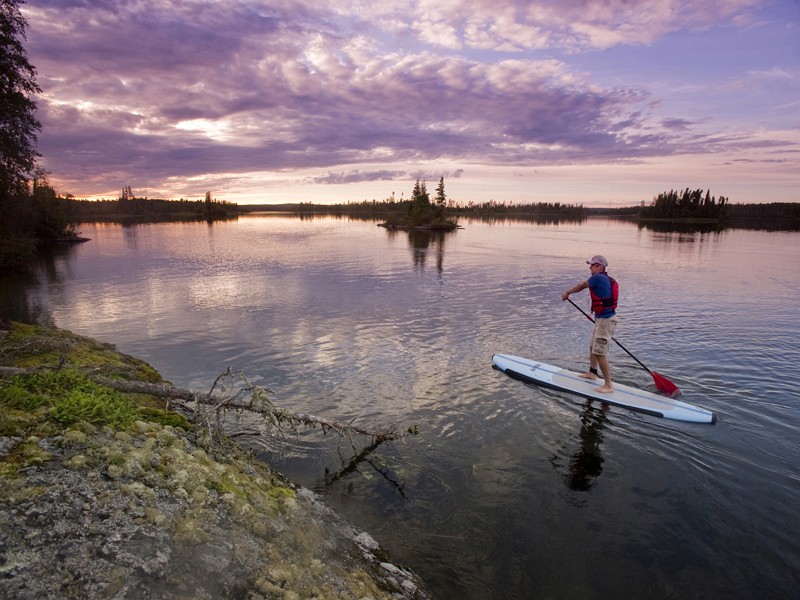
[[131, 208], [18, 123], [701, 207], [695, 204], [549, 210]]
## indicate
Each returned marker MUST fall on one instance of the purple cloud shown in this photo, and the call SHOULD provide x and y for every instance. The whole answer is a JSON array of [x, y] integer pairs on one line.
[[144, 93]]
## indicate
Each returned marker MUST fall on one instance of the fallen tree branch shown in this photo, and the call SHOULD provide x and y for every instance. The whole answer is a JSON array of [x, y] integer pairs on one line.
[[226, 394], [256, 404], [162, 390], [231, 392]]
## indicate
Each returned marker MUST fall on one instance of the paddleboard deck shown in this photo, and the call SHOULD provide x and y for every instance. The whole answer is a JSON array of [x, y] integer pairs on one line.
[[539, 373]]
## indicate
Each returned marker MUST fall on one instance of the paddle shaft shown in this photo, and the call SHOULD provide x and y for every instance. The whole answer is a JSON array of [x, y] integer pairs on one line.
[[613, 338]]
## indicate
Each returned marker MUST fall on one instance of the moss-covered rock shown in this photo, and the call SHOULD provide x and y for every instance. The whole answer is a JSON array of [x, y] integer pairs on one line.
[[108, 494]]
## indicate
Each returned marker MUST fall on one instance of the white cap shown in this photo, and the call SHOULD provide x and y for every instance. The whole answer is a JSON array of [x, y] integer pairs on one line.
[[597, 260]]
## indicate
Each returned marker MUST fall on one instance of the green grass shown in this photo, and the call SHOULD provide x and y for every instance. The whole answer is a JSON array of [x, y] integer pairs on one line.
[[69, 397]]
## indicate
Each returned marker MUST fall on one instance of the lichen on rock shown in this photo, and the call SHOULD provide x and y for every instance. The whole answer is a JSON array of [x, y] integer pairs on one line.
[[91, 510]]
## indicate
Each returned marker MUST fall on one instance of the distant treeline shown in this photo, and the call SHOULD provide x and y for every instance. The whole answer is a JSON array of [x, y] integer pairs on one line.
[[702, 206], [539, 209], [130, 207], [677, 206], [687, 205], [364, 207], [380, 208]]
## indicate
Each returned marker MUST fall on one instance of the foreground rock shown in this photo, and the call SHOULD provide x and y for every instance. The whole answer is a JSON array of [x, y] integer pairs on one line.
[[91, 511]]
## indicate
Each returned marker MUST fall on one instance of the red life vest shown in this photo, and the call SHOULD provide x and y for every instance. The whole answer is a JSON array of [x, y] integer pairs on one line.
[[600, 304]]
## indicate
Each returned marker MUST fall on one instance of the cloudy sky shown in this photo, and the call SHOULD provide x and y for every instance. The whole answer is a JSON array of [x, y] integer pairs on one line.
[[598, 102]]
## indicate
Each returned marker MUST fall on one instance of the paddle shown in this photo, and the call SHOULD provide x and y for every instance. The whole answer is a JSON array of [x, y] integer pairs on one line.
[[662, 383]]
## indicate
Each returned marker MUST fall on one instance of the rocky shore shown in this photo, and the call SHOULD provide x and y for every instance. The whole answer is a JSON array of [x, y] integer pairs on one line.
[[90, 508]]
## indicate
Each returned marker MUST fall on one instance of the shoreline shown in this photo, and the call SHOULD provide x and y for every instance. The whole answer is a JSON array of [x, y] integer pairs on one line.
[[154, 509]]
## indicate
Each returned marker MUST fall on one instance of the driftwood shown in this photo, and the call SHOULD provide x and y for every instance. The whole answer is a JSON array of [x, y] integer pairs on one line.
[[256, 404], [230, 391]]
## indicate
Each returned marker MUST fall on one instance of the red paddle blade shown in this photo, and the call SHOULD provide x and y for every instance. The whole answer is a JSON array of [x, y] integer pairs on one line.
[[665, 385]]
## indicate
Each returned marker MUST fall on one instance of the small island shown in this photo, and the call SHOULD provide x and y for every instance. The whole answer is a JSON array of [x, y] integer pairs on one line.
[[422, 213], [698, 208]]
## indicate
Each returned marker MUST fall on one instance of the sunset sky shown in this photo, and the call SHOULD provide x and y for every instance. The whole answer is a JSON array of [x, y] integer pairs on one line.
[[596, 102]]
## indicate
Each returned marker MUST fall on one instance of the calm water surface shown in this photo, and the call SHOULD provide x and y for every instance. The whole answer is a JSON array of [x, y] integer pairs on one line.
[[508, 491]]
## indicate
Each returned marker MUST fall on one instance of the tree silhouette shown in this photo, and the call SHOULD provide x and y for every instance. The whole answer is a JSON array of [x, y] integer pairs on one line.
[[441, 199], [18, 123]]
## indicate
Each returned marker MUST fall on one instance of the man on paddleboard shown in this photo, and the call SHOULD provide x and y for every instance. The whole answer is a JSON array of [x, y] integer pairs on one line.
[[604, 292]]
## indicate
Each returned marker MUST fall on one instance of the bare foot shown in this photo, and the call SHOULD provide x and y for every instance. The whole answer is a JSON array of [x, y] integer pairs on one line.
[[589, 375], [604, 389]]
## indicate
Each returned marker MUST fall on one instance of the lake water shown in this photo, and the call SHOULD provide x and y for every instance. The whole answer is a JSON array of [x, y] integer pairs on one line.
[[508, 491]]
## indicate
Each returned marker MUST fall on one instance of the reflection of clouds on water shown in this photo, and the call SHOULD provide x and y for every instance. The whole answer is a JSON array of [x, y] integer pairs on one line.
[[333, 316]]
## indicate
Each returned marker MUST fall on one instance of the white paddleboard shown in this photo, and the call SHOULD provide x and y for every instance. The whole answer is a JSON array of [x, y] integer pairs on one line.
[[540, 373]]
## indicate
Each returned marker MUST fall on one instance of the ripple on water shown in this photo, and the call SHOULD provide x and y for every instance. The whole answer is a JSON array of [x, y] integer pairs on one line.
[[508, 491]]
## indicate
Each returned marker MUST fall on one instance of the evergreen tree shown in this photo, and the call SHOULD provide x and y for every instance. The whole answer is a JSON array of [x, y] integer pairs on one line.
[[419, 195], [689, 203], [18, 123], [51, 220], [18, 128], [416, 192], [441, 199], [419, 211]]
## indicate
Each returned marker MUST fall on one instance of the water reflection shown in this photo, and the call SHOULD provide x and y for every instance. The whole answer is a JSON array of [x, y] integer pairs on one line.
[[361, 459], [586, 463], [675, 227], [155, 219], [421, 241], [521, 218], [52, 267], [130, 234], [717, 227], [50, 262], [333, 318], [131, 229], [16, 304], [684, 237]]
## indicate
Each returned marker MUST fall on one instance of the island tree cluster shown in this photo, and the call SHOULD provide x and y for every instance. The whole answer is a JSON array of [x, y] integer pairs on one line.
[[688, 204], [699, 206], [422, 212]]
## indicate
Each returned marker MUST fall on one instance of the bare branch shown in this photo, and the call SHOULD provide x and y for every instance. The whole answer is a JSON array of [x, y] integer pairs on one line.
[[231, 391], [257, 403]]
